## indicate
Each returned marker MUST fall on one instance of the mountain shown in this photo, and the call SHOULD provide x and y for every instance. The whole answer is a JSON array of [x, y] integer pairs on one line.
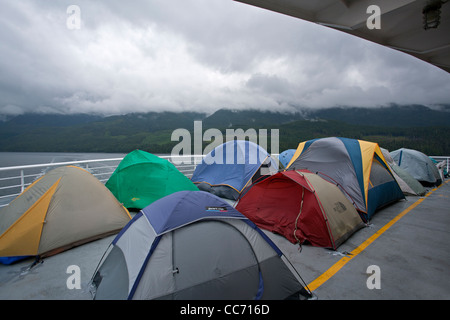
[[392, 116], [225, 118], [416, 127], [90, 133], [49, 120]]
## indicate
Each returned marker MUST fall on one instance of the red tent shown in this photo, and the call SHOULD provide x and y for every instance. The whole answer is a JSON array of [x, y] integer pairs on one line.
[[302, 207]]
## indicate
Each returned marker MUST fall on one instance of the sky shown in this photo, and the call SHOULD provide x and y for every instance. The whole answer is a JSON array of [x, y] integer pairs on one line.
[[193, 55]]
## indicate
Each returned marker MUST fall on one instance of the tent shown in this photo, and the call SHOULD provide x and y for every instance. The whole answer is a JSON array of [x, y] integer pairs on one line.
[[301, 206], [417, 164], [286, 156], [64, 208], [231, 167], [407, 183], [441, 166], [193, 245], [141, 178], [357, 166]]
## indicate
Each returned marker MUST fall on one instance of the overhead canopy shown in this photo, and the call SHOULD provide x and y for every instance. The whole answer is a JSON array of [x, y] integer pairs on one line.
[[401, 23]]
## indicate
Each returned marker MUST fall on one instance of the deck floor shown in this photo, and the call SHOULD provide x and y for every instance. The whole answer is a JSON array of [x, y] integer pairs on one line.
[[407, 241]]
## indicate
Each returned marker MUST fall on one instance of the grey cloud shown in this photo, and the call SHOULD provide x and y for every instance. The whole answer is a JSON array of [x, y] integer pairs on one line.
[[268, 83], [194, 55]]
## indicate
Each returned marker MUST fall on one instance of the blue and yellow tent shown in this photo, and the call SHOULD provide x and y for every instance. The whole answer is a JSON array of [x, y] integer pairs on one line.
[[357, 166]]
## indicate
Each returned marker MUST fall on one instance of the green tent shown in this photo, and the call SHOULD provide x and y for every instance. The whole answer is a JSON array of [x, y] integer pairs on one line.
[[141, 178]]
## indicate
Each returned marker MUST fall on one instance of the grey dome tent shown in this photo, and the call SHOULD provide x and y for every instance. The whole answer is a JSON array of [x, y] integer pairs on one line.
[[419, 165], [408, 184], [193, 245]]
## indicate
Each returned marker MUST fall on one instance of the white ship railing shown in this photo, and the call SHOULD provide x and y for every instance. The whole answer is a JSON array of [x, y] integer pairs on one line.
[[443, 158], [14, 179]]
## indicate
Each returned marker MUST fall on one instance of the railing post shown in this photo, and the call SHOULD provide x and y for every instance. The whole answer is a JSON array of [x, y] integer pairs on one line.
[[22, 181]]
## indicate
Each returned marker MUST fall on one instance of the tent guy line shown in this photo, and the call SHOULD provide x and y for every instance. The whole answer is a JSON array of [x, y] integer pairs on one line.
[[324, 277]]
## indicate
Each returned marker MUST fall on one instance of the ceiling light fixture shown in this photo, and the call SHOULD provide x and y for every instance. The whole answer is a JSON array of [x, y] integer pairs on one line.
[[432, 14]]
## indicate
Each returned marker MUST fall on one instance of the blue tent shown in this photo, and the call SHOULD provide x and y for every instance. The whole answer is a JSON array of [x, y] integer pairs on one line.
[[194, 245], [11, 260], [286, 156], [231, 167], [357, 166]]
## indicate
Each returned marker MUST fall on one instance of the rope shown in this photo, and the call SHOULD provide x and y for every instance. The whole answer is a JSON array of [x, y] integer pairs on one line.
[[298, 216], [298, 274]]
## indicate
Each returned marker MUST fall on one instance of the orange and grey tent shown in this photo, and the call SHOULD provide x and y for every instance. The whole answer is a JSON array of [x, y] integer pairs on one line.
[[303, 207], [66, 207]]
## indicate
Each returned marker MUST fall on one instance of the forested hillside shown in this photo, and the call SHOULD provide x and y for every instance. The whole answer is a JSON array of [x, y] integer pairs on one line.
[[415, 127]]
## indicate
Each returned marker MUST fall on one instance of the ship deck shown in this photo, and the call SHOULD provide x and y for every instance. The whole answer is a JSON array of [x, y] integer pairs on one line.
[[407, 242]]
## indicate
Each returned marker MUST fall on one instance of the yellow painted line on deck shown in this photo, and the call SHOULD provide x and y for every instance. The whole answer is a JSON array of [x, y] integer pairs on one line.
[[343, 261]]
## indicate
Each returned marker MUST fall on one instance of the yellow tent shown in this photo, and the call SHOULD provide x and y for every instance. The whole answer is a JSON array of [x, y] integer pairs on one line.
[[357, 166], [64, 208]]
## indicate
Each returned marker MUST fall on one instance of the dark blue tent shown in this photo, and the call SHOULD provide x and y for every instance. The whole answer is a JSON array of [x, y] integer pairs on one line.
[[11, 260], [193, 245], [231, 167]]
